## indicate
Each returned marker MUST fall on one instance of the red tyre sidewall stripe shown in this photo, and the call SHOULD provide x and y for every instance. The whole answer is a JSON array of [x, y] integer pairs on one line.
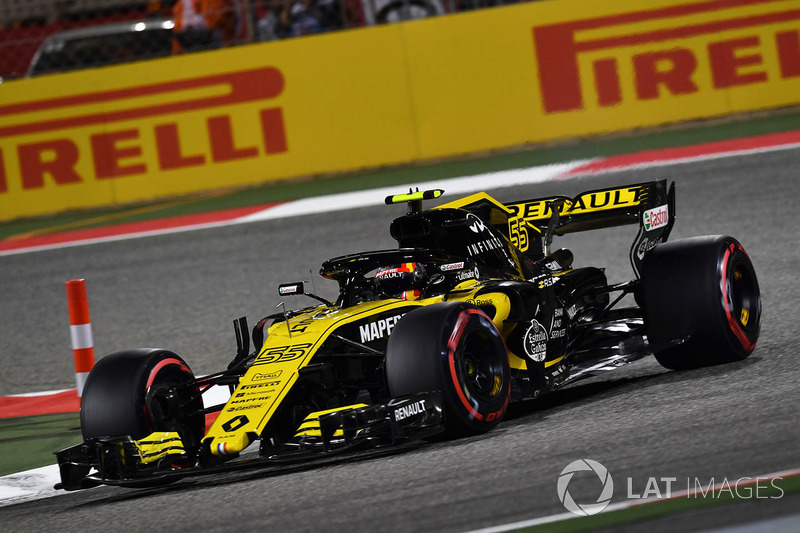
[[732, 323], [455, 337], [152, 377], [161, 364]]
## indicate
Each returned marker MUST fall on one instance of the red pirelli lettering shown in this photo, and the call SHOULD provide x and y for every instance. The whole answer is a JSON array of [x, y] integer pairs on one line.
[[672, 68], [274, 131], [558, 47], [170, 155], [609, 89], [726, 63], [107, 154], [788, 43], [54, 158], [116, 153], [243, 86], [223, 148]]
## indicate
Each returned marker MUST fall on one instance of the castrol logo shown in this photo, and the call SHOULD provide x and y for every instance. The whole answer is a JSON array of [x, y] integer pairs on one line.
[[656, 218]]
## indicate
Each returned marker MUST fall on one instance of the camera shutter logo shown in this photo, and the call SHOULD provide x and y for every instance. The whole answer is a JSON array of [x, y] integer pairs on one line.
[[586, 509]]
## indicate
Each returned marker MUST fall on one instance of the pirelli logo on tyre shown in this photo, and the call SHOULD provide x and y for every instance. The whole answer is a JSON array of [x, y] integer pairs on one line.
[[670, 51], [116, 134]]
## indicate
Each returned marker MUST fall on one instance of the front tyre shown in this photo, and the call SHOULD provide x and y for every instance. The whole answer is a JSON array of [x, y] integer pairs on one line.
[[137, 392], [701, 301], [454, 348]]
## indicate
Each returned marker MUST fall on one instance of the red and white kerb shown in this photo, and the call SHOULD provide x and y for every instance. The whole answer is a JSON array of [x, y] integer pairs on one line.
[[80, 331]]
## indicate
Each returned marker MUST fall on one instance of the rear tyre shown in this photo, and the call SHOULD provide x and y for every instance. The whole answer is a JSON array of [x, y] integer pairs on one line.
[[137, 392], [702, 302], [454, 348]]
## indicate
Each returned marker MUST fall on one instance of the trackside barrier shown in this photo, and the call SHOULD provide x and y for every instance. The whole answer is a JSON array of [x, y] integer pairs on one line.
[[80, 331]]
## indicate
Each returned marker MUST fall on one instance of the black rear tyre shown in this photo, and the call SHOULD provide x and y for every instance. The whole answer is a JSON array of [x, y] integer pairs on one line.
[[702, 302], [137, 392], [455, 348]]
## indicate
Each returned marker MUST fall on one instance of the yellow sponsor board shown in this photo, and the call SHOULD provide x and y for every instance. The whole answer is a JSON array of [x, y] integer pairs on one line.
[[549, 70], [387, 95], [204, 121]]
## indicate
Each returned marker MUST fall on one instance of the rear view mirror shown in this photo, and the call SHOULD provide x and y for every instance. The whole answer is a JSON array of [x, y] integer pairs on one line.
[[291, 289]]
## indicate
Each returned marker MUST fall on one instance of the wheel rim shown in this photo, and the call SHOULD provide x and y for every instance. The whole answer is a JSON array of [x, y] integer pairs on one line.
[[741, 300], [742, 296], [172, 405], [480, 366]]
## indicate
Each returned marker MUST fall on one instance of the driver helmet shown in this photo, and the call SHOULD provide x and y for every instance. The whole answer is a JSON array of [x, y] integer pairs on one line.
[[403, 281]]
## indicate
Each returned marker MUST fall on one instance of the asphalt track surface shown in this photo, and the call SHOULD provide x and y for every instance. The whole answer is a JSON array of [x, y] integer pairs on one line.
[[182, 291]]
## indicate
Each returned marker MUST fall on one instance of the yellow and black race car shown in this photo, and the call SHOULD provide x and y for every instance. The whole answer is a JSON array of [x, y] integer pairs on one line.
[[472, 311]]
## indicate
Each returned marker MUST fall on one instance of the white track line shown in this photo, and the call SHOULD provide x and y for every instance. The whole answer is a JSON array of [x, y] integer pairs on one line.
[[342, 201], [29, 485], [688, 159], [451, 186], [31, 394]]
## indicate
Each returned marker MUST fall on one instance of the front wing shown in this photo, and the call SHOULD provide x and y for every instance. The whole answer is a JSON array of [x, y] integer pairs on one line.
[[340, 433]]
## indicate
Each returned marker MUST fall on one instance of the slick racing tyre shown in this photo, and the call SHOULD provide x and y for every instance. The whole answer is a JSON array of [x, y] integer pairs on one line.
[[702, 305], [455, 348], [137, 392]]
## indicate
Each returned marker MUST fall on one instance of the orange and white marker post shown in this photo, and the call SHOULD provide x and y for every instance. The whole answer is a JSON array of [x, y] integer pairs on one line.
[[80, 331]]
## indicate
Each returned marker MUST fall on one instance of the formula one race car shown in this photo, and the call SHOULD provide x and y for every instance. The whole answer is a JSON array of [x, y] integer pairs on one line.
[[473, 310]]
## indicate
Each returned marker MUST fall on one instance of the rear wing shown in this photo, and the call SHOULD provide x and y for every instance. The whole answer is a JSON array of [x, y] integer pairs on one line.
[[651, 205]]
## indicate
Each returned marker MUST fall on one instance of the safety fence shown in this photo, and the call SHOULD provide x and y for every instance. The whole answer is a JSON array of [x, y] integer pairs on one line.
[[74, 34]]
